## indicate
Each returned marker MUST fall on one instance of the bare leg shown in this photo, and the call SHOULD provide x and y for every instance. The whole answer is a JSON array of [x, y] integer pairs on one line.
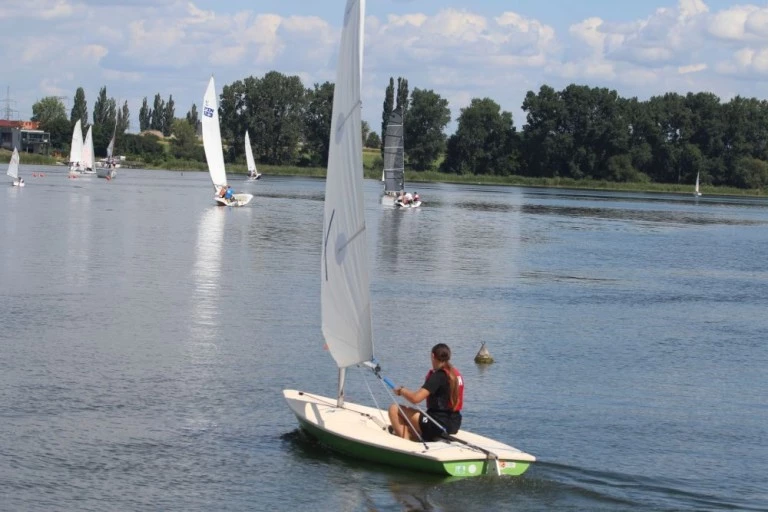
[[400, 425]]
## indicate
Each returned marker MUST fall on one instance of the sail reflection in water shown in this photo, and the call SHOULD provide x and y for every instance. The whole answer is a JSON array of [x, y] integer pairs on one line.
[[207, 275]]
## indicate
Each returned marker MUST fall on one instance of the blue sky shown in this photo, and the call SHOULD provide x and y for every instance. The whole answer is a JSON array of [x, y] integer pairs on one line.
[[459, 48]]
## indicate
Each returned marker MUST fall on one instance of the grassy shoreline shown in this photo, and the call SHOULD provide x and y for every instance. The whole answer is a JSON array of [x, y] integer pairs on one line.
[[413, 177]]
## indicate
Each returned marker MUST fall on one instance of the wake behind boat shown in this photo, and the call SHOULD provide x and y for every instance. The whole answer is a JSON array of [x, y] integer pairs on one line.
[[214, 154], [345, 299]]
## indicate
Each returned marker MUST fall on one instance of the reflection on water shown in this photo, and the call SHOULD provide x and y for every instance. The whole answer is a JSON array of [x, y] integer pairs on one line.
[[79, 223], [388, 239], [147, 335], [642, 215], [206, 275]]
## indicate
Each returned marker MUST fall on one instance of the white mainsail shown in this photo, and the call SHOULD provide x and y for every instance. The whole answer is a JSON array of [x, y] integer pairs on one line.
[[88, 157], [214, 154], [345, 289], [111, 147], [249, 156], [76, 148], [697, 185], [13, 166]]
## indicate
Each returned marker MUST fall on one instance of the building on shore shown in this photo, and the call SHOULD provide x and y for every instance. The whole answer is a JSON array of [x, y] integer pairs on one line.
[[25, 136]]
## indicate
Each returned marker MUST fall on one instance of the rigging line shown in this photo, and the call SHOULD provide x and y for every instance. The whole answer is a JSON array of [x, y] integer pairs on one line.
[[375, 402], [389, 386], [325, 245]]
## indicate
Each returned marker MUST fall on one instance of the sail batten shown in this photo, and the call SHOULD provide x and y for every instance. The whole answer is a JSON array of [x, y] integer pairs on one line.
[[214, 153], [345, 282]]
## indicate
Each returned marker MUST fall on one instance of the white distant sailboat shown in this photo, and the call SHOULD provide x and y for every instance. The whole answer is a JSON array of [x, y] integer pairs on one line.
[[13, 169], [696, 191], [214, 154], [88, 158], [76, 151], [253, 174], [358, 430]]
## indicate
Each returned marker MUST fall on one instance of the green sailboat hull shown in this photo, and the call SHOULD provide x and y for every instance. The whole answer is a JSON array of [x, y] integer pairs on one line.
[[470, 467]]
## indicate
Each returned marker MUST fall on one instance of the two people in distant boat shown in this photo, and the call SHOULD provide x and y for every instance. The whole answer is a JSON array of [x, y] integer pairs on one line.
[[406, 198], [227, 193], [443, 390]]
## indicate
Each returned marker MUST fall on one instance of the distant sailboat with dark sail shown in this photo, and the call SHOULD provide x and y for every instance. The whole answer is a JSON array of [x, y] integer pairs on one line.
[[394, 159]]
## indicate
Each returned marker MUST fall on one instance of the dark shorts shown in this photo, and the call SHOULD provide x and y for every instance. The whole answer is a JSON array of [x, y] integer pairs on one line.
[[431, 432]]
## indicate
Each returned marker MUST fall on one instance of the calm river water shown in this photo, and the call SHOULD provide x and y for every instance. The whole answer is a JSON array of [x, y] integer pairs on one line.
[[147, 335]]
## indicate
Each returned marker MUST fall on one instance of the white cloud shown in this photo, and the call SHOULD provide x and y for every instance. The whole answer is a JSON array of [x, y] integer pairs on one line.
[[41, 9], [172, 46], [693, 68]]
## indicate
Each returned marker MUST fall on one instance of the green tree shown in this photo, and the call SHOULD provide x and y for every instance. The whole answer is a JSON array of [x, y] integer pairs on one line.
[[484, 142], [192, 116], [145, 116], [169, 116], [104, 119], [544, 146], [79, 109], [100, 108], [317, 122], [373, 140], [365, 128], [184, 143], [158, 114], [401, 102], [751, 173], [60, 131], [48, 109], [271, 109], [123, 119], [427, 118], [389, 105]]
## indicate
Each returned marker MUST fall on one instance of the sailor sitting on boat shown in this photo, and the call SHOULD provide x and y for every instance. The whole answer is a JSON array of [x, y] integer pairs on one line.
[[405, 198], [229, 195], [444, 391]]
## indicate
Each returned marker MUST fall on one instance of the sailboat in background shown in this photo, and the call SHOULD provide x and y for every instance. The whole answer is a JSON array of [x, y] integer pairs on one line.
[[76, 151], [345, 298], [88, 158], [393, 173], [107, 169], [13, 169], [214, 154], [253, 174], [696, 191]]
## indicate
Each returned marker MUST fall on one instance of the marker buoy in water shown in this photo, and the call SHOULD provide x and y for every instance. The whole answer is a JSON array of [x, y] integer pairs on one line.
[[483, 356]]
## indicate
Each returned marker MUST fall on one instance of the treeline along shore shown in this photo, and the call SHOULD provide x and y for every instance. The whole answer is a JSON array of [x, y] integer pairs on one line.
[[580, 137]]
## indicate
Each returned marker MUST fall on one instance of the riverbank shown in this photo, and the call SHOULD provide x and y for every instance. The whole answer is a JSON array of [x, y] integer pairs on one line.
[[371, 171]]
